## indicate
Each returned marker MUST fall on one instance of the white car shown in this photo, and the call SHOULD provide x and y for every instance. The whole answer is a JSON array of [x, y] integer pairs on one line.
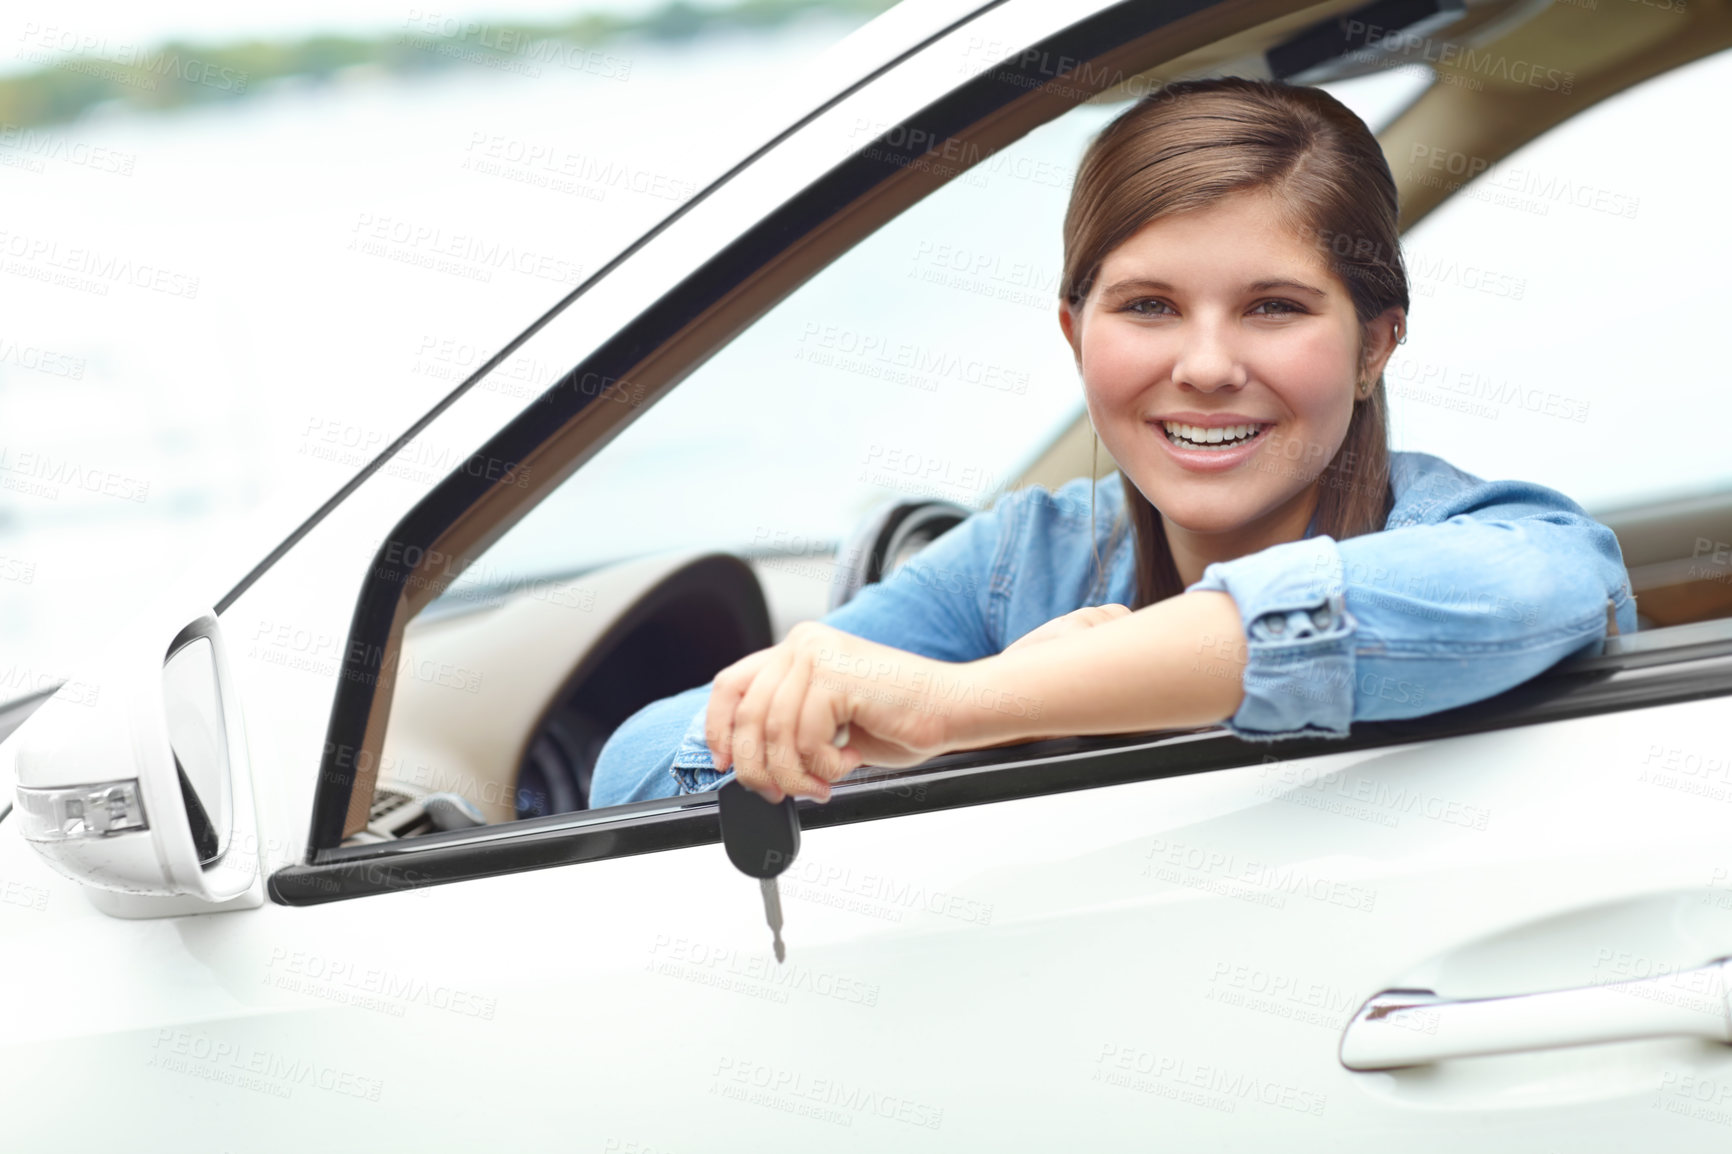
[[280, 868]]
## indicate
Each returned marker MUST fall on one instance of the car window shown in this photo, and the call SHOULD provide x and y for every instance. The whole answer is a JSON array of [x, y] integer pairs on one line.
[[926, 363], [1565, 322]]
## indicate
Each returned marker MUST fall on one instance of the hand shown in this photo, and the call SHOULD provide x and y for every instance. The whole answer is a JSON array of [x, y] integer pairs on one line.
[[773, 714], [1074, 622]]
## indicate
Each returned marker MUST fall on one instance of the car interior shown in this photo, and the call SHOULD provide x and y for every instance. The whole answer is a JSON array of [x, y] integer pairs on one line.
[[557, 684]]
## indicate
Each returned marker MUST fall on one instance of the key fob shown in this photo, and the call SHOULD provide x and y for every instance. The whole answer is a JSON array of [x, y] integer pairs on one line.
[[761, 838]]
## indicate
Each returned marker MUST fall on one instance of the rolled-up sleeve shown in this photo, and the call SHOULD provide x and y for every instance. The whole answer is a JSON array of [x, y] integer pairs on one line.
[[1421, 618], [1300, 638]]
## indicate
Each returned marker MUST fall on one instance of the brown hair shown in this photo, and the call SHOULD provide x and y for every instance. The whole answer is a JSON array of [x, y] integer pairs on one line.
[[1192, 144]]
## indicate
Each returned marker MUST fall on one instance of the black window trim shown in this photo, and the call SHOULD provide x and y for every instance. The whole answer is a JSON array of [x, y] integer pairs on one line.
[[1584, 686]]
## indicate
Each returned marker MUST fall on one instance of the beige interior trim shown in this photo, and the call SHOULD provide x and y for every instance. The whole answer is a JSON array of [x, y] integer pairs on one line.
[[1067, 458], [1679, 557], [1614, 46], [1244, 52], [480, 683]]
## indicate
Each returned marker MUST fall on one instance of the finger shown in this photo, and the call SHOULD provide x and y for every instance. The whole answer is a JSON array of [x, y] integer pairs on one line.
[[782, 751], [847, 757], [729, 687], [823, 718], [749, 717]]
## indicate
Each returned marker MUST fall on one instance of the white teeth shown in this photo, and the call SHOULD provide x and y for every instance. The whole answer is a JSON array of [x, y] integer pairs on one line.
[[1198, 435]]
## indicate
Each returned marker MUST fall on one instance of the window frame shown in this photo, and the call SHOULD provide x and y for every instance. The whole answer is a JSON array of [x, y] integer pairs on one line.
[[753, 270]]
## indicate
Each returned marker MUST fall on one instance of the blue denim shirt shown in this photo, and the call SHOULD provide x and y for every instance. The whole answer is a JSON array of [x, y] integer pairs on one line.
[[1471, 588]]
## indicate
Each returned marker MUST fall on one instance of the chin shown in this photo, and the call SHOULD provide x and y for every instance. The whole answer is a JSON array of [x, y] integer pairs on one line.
[[1212, 507], [1208, 523]]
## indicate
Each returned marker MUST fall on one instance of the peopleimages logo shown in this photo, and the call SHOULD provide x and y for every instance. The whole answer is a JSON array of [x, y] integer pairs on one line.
[[552, 166], [43, 41], [43, 475], [41, 360], [790, 1089], [248, 1067], [1392, 798], [499, 44], [36, 145], [42, 258], [1378, 40], [461, 253]]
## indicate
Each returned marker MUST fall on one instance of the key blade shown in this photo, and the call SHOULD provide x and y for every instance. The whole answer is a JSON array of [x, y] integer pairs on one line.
[[772, 903], [773, 914]]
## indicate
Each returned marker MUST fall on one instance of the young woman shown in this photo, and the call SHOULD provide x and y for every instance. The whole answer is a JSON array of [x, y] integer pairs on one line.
[[1232, 289]]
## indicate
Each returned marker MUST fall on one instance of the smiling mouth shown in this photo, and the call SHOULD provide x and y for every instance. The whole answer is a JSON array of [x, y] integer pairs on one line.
[[1196, 437]]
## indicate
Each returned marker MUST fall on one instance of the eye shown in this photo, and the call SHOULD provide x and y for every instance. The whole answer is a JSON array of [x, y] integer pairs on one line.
[[1282, 308], [1135, 307]]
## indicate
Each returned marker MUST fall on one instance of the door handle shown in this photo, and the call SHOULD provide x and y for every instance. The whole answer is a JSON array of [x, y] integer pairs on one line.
[[1399, 1028]]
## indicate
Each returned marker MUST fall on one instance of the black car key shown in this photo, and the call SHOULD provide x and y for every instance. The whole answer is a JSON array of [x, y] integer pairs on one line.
[[761, 839]]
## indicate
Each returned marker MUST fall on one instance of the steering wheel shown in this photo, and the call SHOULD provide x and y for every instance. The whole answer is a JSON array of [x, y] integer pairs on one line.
[[890, 534]]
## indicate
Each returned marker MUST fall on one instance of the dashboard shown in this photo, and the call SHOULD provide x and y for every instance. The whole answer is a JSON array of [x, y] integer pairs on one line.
[[500, 709]]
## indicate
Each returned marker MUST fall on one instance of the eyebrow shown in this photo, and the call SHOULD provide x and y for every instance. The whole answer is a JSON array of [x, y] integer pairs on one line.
[[1258, 286]]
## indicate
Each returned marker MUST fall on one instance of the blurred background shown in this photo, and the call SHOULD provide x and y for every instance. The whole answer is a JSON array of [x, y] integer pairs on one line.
[[192, 325], [198, 324]]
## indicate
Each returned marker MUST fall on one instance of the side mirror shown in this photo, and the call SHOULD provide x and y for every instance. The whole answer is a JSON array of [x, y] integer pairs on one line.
[[134, 779]]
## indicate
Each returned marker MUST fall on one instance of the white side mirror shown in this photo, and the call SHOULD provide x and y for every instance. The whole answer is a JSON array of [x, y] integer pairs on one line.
[[142, 790]]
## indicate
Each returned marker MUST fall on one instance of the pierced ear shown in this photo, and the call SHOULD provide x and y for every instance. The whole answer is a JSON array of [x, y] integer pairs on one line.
[[1390, 328]]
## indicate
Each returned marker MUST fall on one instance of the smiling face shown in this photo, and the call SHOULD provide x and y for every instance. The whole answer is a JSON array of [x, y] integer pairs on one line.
[[1216, 323]]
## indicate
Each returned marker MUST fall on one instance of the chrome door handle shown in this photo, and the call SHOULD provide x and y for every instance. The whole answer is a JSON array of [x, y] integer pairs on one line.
[[1399, 1028]]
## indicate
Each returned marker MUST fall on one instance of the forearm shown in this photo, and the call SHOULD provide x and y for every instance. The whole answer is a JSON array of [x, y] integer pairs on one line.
[[1175, 664]]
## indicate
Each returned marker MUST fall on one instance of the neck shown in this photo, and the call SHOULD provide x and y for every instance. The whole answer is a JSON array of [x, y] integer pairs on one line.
[[1193, 551]]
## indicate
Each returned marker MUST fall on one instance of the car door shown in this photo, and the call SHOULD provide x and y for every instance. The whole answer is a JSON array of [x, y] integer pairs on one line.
[[1124, 940], [284, 1020]]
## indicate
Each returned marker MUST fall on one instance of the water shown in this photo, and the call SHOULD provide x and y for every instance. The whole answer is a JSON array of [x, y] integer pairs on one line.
[[214, 346]]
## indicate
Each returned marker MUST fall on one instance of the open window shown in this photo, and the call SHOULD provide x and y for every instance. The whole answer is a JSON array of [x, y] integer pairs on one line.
[[909, 383], [924, 365], [929, 354]]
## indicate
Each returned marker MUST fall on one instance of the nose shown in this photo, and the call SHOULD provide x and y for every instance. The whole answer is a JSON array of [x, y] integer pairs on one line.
[[1209, 356]]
